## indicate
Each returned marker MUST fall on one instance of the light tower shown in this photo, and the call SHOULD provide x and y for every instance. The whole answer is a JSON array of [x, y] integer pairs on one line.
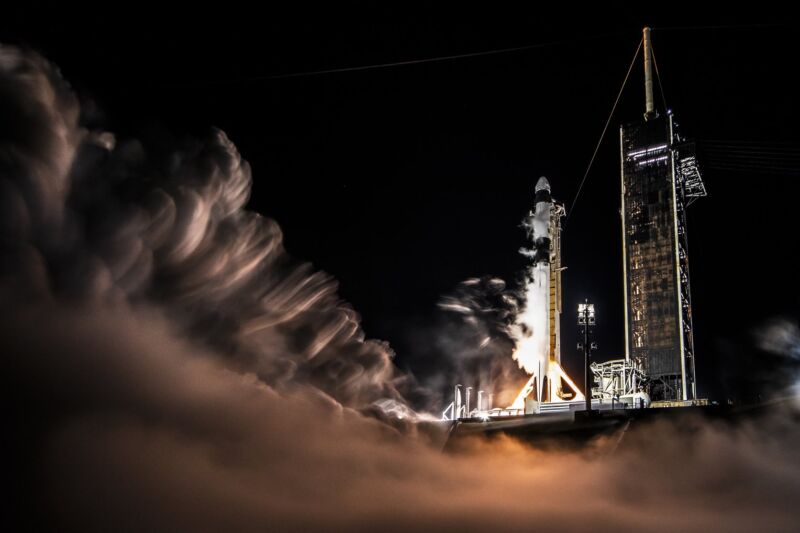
[[660, 178], [586, 322]]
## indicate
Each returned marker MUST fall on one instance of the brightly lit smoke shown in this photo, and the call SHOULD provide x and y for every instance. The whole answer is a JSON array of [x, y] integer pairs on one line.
[[533, 347], [474, 340], [89, 219], [533, 328], [781, 338]]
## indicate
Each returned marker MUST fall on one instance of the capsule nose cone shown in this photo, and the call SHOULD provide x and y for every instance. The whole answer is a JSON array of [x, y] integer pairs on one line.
[[542, 184]]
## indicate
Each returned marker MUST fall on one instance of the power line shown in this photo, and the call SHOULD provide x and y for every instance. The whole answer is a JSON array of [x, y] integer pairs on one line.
[[756, 170], [375, 66], [753, 157], [751, 153], [746, 141], [786, 149], [602, 135], [739, 163], [757, 164], [783, 149], [721, 27], [396, 63]]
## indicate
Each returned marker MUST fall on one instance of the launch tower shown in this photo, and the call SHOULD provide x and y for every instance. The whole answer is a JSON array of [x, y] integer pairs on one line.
[[660, 179]]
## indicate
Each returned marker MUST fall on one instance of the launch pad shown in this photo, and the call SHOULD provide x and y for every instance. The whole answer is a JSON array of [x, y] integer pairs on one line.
[[659, 180], [605, 427]]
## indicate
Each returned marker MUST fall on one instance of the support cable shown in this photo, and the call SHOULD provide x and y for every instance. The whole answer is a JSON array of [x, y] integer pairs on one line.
[[658, 77], [602, 135]]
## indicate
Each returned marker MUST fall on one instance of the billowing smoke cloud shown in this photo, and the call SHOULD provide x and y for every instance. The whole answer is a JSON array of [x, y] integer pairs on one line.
[[477, 340], [762, 364], [89, 220], [533, 324], [154, 434], [780, 341], [169, 368]]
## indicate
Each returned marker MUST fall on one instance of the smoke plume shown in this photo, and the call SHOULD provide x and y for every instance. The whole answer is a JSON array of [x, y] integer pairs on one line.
[[477, 339], [88, 219], [168, 367]]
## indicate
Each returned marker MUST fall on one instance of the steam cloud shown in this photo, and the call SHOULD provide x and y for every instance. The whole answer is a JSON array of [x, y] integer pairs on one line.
[[478, 339], [170, 368], [91, 221]]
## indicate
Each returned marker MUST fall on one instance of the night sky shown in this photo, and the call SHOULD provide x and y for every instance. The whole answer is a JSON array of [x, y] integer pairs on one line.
[[401, 182]]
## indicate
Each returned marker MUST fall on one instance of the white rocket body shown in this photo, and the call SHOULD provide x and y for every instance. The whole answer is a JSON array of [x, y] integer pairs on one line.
[[539, 288], [535, 341], [533, 346]]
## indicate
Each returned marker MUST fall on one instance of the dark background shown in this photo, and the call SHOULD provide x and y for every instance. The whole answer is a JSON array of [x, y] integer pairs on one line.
[[403, 181]]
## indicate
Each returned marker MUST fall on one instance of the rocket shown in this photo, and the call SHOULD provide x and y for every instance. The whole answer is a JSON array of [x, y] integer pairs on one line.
[[533, 348], [539, 285], [538, 347]]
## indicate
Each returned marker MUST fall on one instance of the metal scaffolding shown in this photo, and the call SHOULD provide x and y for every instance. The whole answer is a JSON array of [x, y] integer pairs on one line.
[[660, 177]]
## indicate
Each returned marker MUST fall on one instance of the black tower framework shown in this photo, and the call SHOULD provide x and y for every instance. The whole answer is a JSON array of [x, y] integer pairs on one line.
[[660, 178]]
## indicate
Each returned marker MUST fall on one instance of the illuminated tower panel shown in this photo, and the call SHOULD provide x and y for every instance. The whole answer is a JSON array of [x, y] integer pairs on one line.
[[652, 211]]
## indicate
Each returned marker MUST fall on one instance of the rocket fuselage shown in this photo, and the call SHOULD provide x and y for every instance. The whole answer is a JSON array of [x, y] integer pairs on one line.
[[539, 286], [538, 350]]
